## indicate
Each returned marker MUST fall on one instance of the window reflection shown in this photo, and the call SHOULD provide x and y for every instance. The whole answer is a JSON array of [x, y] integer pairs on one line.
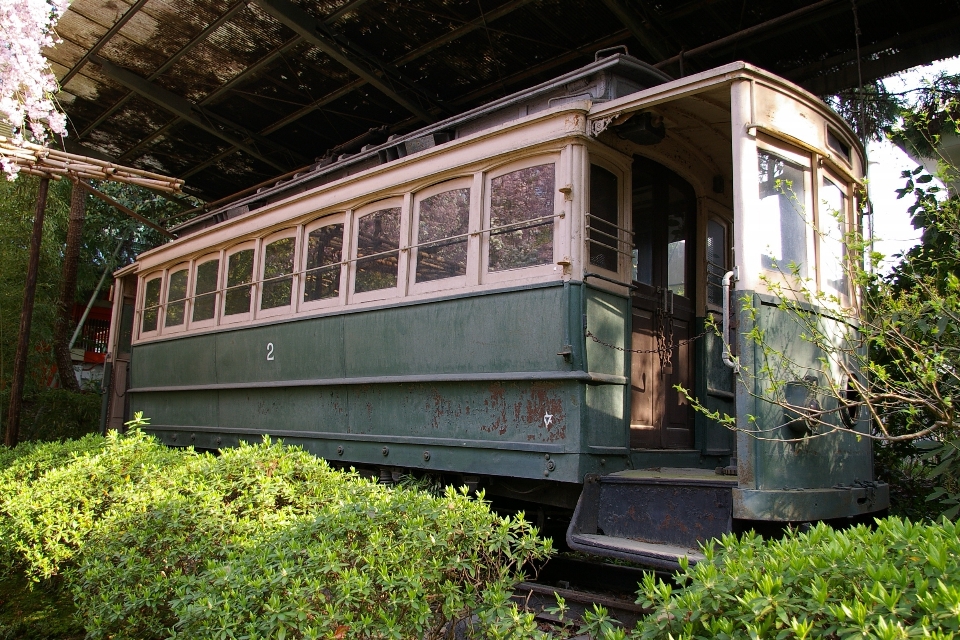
[[277, 274], [378, 238], [782, 217], [833, 252], [442, 218], [324, 254], [205, 300], [239, 277], [151, 305], [522, 201], [176, 298]]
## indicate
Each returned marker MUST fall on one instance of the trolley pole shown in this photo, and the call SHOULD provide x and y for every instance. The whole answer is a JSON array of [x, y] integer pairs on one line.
[[26, 318]]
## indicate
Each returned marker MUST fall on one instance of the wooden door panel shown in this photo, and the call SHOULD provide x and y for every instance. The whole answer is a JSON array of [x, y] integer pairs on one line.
[[644, 384]]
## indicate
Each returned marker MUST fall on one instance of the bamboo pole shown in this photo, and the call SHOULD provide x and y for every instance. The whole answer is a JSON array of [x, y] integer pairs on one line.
[[26, 318]]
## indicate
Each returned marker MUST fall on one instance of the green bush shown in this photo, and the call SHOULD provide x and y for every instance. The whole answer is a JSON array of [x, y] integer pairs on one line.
[[261, 541], [52, 517], [897, 580]]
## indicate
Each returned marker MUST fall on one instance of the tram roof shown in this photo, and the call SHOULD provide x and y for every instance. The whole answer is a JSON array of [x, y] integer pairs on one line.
[[230, 93]]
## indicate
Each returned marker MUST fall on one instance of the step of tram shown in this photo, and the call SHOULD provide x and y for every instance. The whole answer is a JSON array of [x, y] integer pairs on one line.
[[652, 516]]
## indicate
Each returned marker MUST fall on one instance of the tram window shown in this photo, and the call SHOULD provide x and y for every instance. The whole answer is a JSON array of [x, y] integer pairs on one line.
[[378, 244], [176, 298], [324, 254], [832, 213], [521, 218], [277, 274], [205, 290], [239, 278], [603, 232], [151, 305], [783, 219], [716, 261], [441, 233]]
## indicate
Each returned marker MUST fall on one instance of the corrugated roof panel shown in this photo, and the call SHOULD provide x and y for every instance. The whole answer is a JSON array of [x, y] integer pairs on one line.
[[135, 121], [77, 28]]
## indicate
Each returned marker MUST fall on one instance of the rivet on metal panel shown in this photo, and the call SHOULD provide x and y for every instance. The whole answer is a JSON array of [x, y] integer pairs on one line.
[[173, 437], [603, 462], [546, 456], [386, 451], [426, 456], [340, 450], [193, 437], [546, 472]]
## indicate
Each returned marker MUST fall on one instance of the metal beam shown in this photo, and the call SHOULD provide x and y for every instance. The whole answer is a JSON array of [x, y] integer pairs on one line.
[[112, 31], [200, 37], [764, 29], [459, 32], [180, 106], [628, 17], [237, 79], [911, 49], [307, 27]]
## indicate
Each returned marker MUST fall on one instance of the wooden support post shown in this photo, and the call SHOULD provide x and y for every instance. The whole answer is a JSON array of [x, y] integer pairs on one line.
[[26, 318], [68, 289]]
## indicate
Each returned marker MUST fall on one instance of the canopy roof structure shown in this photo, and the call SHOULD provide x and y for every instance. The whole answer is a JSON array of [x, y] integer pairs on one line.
[[225, 94]]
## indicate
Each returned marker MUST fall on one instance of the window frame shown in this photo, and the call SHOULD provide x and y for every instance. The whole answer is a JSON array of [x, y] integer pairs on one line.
[[307, 229], [233, 249], [261, 265], [846, 190], [160, 274], [403, 203], [453, 282], [797, 156], [486, 275], [624, 265], [217, 292], [168, 273]]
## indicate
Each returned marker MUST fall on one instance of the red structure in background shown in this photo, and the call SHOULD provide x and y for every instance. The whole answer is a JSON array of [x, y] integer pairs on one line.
[[94, 334]]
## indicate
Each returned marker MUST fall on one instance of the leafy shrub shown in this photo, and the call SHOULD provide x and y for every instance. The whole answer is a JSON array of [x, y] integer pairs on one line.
[[894, 581], [268, 541], [262, 541], [50, 506], [19, 468]]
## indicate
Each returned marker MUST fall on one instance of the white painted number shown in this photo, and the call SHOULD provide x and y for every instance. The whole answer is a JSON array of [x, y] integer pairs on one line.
[[269, 351]]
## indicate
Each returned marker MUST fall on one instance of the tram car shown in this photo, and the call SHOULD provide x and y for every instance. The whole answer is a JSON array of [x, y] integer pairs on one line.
[[511, 297]]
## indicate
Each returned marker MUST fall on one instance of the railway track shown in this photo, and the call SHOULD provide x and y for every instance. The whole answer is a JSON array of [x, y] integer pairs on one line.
[[582, 584]]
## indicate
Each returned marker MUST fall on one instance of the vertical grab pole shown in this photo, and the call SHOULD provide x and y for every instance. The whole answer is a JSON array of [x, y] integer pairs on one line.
[[728, 360]]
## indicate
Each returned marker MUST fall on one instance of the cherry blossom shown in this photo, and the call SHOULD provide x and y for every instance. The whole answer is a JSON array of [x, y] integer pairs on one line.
[[27, 85]]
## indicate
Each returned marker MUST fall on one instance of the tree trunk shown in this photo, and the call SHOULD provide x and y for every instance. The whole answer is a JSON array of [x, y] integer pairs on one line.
[[26, 318], [68, 290]]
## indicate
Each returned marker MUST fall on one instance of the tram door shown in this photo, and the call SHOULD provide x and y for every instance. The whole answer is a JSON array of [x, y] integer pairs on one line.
[[664, 225]]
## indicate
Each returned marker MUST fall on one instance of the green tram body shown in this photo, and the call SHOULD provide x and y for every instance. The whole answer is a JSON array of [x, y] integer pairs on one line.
[[521, 378]]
